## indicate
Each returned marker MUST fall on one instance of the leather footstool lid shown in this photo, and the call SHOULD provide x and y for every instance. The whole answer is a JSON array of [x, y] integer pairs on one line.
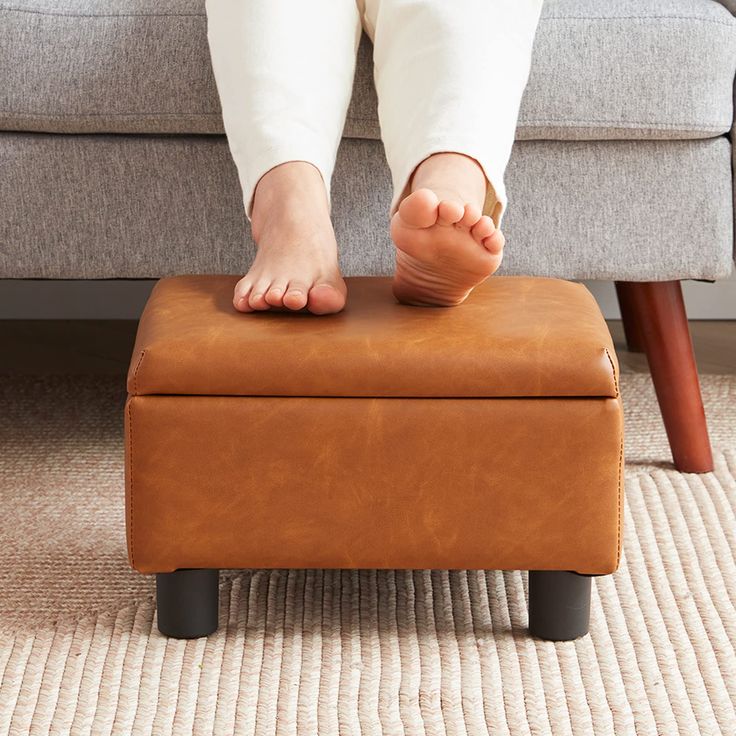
[[512, 337]]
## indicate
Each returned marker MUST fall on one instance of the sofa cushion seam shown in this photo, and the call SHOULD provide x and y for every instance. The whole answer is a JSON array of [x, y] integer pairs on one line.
[[655, 18], [522, 122], [32, 11]]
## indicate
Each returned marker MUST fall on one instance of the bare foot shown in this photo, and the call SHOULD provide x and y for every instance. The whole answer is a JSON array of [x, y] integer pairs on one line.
[[444, 246], [296, 257]]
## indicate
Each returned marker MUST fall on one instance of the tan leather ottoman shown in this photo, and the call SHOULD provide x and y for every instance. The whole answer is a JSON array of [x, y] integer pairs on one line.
[[483, 436]]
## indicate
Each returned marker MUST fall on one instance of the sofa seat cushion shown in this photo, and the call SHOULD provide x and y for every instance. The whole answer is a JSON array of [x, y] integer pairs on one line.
[[601, 69], [612, 210]]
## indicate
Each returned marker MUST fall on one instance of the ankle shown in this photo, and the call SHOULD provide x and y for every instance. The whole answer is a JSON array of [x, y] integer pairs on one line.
[[293, 192]]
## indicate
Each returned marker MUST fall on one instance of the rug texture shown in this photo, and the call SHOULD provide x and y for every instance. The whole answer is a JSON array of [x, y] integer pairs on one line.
[[353, 652]]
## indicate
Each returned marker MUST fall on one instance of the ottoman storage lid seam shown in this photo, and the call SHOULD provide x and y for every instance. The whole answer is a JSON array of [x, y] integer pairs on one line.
[[513, 337]]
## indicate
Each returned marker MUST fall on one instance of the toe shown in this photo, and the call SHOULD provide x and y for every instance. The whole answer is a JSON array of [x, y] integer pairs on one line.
[[240, 296], [483, 228], [241, 288], [275, 294], [296, 295], [419, 209], [257, 295], [471, 216], [494, 243], [450, 212], [325, 299]]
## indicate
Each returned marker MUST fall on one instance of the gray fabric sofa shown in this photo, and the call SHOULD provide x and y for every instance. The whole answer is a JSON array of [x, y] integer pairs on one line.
[[113, 162]]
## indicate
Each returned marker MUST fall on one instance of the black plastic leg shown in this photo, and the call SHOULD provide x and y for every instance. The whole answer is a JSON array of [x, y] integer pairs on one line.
[[559, 604], [187, 602]]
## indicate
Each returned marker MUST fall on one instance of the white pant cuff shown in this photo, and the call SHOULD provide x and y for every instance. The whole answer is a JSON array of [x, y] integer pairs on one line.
[[252, 169]]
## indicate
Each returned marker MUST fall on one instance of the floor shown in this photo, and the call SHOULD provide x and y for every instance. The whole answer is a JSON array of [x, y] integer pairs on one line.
[[103, 347], [331, 651]]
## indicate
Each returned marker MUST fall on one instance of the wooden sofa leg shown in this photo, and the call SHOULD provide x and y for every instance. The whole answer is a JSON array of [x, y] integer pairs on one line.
[[559, 604], [632, 330], [187, 602], [659, 312]]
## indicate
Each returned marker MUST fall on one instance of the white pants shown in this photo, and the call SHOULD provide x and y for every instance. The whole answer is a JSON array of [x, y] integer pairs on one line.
[[449, 76]]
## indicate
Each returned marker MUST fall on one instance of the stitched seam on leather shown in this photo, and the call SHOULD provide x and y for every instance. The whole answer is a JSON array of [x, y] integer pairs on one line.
[[620, 468], [620, 499], [135, 372], [397, 397], [130, 443], [613, 368], [130, 489]]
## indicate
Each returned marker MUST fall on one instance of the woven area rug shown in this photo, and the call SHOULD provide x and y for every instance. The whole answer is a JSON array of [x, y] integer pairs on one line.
[[353, 652]]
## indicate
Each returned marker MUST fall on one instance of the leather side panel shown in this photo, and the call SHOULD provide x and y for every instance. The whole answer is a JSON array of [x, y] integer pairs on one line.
[[233, 482]]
